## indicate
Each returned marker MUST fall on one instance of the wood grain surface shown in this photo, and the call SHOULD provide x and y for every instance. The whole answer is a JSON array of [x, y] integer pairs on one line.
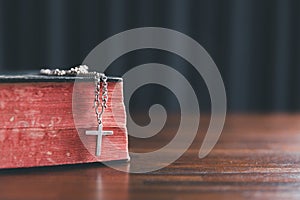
[[257, 157]]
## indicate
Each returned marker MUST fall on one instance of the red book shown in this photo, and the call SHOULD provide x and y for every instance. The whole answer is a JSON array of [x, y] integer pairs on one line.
[[44, 121]]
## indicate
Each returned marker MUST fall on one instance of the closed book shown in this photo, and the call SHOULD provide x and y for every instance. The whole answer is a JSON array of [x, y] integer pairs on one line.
[[44, 121]]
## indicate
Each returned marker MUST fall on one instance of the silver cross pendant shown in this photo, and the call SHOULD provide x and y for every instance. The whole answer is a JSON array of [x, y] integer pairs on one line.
[[99, 133]]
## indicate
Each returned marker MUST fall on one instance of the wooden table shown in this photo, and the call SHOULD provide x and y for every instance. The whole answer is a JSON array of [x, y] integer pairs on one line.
[[257, 157]]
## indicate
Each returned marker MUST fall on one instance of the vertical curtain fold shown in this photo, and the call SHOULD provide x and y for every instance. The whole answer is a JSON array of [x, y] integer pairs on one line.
[[255, 43]]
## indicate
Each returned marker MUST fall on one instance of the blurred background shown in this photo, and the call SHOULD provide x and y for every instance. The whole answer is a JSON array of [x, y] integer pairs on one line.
[[254, 43]]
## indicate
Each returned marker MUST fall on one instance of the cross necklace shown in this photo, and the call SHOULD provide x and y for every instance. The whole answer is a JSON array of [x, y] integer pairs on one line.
[[99, 77], [99, 133]]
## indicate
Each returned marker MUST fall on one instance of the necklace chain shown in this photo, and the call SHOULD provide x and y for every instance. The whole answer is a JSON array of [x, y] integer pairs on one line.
[[83, 70]]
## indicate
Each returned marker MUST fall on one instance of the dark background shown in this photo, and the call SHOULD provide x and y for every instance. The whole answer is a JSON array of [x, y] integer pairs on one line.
[[254, 43]]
